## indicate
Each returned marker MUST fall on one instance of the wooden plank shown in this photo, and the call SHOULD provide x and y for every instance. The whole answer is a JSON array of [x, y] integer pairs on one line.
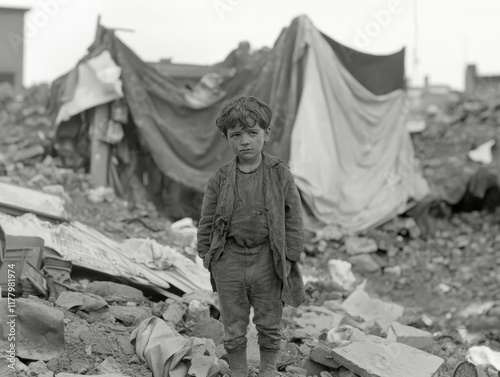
[[23, 200], [100, 151]]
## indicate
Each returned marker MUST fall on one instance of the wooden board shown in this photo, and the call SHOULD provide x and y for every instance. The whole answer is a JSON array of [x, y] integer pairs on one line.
[[18, 200]]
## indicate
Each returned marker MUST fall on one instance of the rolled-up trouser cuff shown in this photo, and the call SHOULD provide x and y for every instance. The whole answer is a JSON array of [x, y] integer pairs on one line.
[[236, 344], [269, 343], [270, 347]]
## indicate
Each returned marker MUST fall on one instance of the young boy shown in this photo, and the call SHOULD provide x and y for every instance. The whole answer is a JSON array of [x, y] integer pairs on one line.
[[250, 235]]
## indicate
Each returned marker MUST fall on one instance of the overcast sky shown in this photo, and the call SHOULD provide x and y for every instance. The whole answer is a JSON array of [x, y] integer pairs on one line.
[[450, 33]]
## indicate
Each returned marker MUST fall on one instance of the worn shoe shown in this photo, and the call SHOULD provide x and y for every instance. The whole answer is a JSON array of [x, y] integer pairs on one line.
[[268, 363], [238, 363]]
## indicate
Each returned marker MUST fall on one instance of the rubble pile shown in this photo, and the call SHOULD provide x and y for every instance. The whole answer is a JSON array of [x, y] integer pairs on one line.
[[26, 128], [117, 219], [391, 301]]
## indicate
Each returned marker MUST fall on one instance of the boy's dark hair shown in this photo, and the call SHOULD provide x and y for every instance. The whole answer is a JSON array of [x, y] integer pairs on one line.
[[239, 109]]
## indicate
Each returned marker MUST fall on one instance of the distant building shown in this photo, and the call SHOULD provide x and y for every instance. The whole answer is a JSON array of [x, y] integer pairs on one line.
[[432, 98], [190, 74], [482, 88], [187, 74], [11, 57]]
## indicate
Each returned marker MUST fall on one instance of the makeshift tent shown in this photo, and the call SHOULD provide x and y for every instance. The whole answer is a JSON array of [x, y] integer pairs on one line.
[[339, 119]]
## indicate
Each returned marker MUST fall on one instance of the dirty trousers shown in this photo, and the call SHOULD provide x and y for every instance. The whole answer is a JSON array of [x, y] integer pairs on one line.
[[245, 277]]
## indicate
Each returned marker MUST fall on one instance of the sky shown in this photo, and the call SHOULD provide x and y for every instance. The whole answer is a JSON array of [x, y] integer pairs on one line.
[[445, 34]]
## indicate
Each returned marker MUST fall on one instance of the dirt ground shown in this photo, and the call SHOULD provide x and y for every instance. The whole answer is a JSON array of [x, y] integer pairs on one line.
[[441, 274]]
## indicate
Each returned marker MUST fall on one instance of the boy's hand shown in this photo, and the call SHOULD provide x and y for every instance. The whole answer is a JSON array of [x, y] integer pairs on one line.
[[289, 265]]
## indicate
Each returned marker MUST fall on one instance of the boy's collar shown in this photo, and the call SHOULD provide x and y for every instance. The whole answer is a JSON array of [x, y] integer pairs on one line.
[[267, 159]]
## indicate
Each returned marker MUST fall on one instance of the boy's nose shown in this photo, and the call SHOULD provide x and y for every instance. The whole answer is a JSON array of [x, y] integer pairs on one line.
[[244, 141]]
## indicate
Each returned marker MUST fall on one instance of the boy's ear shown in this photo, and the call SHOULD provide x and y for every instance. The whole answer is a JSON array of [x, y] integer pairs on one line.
[[267, 135]]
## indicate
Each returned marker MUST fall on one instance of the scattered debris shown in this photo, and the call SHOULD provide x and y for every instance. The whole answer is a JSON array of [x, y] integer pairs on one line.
[[165, 351], [130, 316], [360, 245], [360, 305], [39, 329], [340, 272], [114, 292]]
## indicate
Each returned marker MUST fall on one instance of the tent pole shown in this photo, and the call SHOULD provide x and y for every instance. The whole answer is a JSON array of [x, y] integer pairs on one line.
[[100, 151]]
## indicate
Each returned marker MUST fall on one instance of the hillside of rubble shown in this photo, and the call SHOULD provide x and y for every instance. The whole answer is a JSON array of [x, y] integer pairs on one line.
[[434, 273]]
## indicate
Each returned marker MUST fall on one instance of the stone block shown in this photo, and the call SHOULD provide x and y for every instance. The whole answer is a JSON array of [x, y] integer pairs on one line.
[[197, 311], [208, 328], [39, 329], [109, 365], [364, 263], [360, 245], [174, 313], [130, 316], [86, 302], [360, 305], [410, 336], [372, 356]]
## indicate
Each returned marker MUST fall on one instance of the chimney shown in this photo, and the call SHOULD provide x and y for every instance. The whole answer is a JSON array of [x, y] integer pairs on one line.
[[470, 80]]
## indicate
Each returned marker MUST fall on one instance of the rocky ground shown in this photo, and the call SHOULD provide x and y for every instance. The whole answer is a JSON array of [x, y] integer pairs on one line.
[[439, 276]]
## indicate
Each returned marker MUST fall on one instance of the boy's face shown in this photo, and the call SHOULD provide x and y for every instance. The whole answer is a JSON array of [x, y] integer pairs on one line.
[[247, 141]]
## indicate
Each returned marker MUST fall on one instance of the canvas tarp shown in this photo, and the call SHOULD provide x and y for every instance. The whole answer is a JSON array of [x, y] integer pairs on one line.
[[351, 155], [97, 82], [311, 91]]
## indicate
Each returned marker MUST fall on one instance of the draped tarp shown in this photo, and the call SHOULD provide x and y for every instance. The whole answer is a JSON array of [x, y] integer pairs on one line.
[[182, 138], [338, 120], [350, 153]]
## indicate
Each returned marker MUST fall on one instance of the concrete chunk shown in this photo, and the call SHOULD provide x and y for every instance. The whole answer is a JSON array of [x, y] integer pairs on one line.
[[109, 365], [130, 315], [39, 329], [364, 263], [208, 328], [87, 302], [410, 336], [372, 356], [174, 313], [314, 320], [360, 305], [360, 245]]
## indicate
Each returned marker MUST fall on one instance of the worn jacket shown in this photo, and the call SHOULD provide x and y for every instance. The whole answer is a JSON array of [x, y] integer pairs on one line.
[[284, 220]]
